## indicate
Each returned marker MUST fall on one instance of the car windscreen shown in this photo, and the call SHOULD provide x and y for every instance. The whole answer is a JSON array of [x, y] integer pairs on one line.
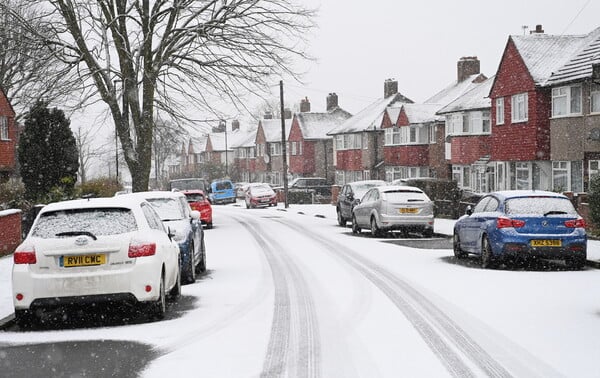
[[167, 208], [103, 221], [405, 196], [539, 205], [361, 189], [223, 185]]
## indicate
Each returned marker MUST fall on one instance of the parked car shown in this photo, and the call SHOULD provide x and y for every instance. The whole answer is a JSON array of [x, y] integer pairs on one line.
[[175, 212], [195, 183], [260, 195], [318, 184], [93, 251], [240, 189], [222, 191], [520, 225], [445, 194], [350, 195], [393, 207], [199, 201]]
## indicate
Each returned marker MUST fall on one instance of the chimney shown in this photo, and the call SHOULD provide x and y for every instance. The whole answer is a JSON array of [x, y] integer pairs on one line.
[[235, 125], [390, 88], [538, 30], [287, 113], [467, 66], [268, 115], [304, 105], [332, 101], [220, 128]]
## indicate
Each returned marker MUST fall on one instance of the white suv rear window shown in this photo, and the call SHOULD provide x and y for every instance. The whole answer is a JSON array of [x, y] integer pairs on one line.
[[105, 221]]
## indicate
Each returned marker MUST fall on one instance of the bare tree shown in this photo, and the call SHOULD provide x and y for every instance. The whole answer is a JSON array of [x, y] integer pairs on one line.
[[167, 142], [169, 55], [29, 71]]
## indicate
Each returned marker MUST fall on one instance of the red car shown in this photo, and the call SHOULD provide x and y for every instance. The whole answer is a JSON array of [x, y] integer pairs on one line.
[[199, 201], [259, 195]]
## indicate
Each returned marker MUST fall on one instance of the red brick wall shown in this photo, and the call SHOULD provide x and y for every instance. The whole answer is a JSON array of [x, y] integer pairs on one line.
[[7, 147], [523, 141], [468, 149], [10, 231], [349, 160], [409, 156]]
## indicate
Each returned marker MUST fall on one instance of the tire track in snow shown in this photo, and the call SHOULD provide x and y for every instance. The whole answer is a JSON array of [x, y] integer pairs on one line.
[[434, 326], [294, 346]]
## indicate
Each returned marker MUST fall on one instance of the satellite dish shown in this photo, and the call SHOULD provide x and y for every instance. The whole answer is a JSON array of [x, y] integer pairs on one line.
[[266, 158]]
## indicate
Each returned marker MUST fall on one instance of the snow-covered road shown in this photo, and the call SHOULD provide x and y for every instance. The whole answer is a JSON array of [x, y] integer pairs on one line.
[[291, 294]]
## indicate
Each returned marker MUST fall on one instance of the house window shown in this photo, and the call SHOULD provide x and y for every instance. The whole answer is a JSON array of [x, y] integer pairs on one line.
[[560, 175], [432, 133], [595, 100], [300, 144], [293, 148], [275, 149], [566, 101], [523, 176], [462, 175], [3, 128], [500, 111], [519, 107], [365, 141], [485, 122]]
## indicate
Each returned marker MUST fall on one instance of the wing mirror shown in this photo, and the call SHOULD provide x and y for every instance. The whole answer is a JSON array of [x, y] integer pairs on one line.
[[469, 210]]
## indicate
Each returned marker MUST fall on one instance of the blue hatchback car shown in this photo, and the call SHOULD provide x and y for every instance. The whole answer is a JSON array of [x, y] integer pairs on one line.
[[222, 191], [518, 225]]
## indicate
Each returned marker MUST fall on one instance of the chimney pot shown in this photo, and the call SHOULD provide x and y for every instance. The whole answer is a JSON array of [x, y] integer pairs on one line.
[[331, 101], [467, 66], [304, 105], [390, 88]]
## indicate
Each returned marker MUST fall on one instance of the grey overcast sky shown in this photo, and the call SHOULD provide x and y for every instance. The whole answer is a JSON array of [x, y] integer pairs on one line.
[[359, 44]]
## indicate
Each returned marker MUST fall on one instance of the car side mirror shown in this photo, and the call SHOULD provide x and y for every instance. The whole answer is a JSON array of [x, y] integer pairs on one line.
[[469, 210], [170, 233], [351, 197], [195, 214]]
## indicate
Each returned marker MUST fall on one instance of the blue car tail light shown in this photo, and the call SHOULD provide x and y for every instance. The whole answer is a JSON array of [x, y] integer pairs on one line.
[[504, 222], [575, 223]]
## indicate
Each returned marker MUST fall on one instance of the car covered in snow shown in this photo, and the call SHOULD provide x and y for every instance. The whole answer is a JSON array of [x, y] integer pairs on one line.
[[521, 225], [175, 212], [95, 251], [394, 207], [350, 195], [199, 201], [260, 195]]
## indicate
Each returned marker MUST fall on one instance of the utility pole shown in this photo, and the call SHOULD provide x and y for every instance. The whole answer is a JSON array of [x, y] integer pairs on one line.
[[283, 145], [226, 157]]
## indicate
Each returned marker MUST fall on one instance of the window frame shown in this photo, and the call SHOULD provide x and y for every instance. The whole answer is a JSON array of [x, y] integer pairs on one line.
[[500, 111], [4, 135], [520, 107], [565, 94]]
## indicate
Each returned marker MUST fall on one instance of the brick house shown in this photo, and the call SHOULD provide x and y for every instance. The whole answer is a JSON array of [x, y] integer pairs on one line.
[[244, 155], [415, 137], [310, 148], [521, 105], [8, 138], [269, 158], [468, 138], [575, 117], [358, 141]]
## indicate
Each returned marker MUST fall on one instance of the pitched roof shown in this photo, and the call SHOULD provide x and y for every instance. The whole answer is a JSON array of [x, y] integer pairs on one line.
[[544, 54], [455, 90], [393, 112], [316, 125], [198, 144], [579, 65], [272, 129], [476, 98], [421, 113], [246, 138], [369, 118]]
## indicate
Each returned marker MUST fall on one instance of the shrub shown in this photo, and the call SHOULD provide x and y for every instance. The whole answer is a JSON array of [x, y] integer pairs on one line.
[[594, 199], [101, 187]]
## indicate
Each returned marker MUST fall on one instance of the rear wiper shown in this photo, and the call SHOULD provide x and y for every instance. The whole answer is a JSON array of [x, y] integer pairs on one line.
[[77, 233], [555, 212]]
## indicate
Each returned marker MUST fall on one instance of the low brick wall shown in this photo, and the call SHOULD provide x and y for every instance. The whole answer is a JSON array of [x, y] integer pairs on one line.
[[10, 231]]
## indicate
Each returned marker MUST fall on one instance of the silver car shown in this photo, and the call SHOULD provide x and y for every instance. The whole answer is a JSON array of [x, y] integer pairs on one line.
[[394, 207]]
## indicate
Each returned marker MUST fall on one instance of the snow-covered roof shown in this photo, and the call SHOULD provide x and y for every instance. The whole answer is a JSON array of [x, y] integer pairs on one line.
[[369, 118], [544, 54], [579, 65], [198, 143], [317, 125], [393, 112], [246, 138], [272, 129], [476, 98], [421, 113], [455, 90]]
